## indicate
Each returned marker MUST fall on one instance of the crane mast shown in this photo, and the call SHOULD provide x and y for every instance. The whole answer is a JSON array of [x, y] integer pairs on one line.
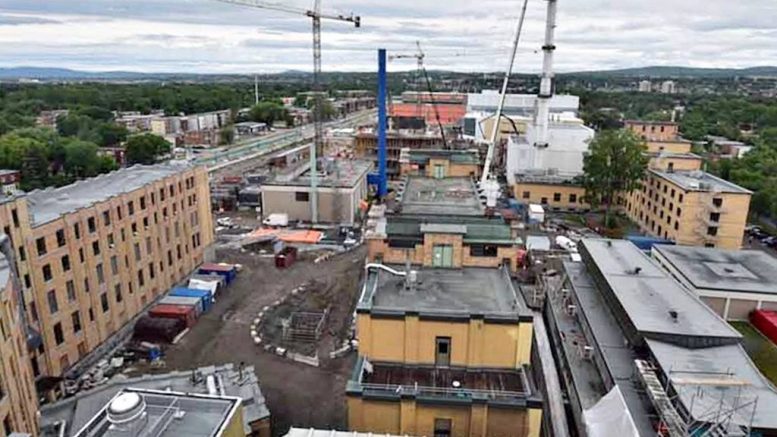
[[315, 15]]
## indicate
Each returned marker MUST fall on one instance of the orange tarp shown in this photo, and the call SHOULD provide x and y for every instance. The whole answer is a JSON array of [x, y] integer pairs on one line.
[[289, 235]]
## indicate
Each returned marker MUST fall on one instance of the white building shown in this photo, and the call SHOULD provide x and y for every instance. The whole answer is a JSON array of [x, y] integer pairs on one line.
[[668, 87], [568, 140], [519, 104], [645, 86]]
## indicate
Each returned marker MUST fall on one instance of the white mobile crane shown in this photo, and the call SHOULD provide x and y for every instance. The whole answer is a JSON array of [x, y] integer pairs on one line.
[[316, 16], [488, 182]]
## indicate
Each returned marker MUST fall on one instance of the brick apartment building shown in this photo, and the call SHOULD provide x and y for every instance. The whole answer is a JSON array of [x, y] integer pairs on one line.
[[93, 254], [18, 400]]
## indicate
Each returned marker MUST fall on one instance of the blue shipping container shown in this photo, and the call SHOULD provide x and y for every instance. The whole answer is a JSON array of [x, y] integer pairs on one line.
[[229, 272], [204, 295], [646, 243]]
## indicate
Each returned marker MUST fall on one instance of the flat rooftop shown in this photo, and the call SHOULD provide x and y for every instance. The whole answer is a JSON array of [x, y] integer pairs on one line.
[[333, 173], [650, 296], [78, 410], [51, 203], [455, 156], [448, 196], [445, 377], [446, 292], [483, 230], [168, 414], [750, 271], [698, 180]]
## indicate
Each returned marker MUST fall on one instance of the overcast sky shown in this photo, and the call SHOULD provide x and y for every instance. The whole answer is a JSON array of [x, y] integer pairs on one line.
[[209, 36]]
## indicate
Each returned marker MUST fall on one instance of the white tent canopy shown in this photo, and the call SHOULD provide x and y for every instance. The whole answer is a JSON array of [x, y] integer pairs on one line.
[[610, 417]]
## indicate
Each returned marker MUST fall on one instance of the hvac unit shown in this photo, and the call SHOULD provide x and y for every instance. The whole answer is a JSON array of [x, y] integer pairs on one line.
[[571, 310]]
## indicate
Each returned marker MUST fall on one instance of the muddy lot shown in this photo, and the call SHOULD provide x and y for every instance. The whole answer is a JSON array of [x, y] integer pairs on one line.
[[296, 394]]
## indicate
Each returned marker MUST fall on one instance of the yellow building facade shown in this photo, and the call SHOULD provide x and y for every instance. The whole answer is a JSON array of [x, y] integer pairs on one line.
[[94, 254], [429, 363], [556, 196], [18, 399]]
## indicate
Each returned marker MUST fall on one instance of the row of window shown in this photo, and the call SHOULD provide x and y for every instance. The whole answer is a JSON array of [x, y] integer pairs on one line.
[[92, 226], [572, 198]]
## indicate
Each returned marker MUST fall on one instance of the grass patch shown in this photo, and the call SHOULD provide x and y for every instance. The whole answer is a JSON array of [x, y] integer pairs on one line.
[[761, 350]]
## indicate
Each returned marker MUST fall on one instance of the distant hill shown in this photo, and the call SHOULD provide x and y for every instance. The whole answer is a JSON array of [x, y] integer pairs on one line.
[[681, 72]]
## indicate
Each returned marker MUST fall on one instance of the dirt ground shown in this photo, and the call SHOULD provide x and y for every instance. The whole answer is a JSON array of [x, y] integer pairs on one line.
[[296, 394]]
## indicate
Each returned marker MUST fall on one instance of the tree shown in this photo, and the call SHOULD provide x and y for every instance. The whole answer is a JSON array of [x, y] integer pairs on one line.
[[616, 163], [146, 149], [227, 135], [81, 159], [328, 111], [111, 134], [268, 112]]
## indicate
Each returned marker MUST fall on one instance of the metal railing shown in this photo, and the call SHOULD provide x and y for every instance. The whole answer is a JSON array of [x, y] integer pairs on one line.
[[445, 392]]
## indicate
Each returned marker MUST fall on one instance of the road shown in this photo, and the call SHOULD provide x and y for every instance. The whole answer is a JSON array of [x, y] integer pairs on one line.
[[276, 141]]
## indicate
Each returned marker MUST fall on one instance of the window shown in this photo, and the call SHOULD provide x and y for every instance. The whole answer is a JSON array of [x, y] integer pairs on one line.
[[91, 315], [131, 207], [151, 273], [557, 197], [66, 263], [104, 302], [715, 217], [484, 250], [544, 201], [100, 274], [142, 202], [71, 290], [679, 211], [526, 194], [96, 248], [40, 243], [572, 198], [34, 311], [137, 252], [86, 285], [47, 272], [76, 319], [717, 202], [111, 242], [680, 198], [81, 254], [106, 218], [443, 349], [114, 265], [118, 212], [27, 281], [61, 238], [709, 244], [22, 254], [90, 225], [443, 427], [15, 218], [51, 296], [712, 231], [301, 196], [676, 225], [59, 336], [141, 278], [117, 290]]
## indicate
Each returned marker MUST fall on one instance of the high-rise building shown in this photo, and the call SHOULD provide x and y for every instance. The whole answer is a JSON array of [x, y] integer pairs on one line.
[[93, 254], [18, 399], [645, 86], [668, 87]]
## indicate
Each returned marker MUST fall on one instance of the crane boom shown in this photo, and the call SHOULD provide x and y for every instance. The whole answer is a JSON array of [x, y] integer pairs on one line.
[[502, 97], [316, 17]]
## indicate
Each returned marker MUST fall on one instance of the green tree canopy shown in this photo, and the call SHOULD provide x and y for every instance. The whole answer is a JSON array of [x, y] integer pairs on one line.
[[268, 112], [616, 163], [145, 149]]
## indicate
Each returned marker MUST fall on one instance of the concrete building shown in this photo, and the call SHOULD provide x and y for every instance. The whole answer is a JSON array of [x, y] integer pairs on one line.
[[9, 182], [427, 363], [640, 354], [645, 86], [439, 163], [95, 253], [654, 130], [731, 282], [18, 399], [690, 208], [366, 146], [71, 416], [342, 186], [553, 192], [668, 87], [519, 104], [729, 149]]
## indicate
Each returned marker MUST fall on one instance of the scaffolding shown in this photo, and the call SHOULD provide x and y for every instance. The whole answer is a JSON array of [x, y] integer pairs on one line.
[[304, 326], [729, 415]]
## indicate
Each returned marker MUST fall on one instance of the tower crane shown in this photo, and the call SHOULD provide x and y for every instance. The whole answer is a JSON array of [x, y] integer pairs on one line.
[[316, 16], [419, 56]]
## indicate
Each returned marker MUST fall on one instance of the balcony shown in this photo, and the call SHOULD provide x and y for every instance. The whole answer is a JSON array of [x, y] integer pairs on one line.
[[395, 381]]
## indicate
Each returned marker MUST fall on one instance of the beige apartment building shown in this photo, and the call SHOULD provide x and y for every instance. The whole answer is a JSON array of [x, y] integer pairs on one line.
[[654, 130], [18, 400], [93, 254]]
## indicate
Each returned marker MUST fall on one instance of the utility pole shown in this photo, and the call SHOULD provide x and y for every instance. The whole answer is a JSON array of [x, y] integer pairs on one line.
[[256, 89]]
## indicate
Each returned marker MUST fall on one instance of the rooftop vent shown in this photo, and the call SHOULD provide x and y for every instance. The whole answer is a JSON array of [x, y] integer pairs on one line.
[[637, 270], [127, 414], [674, 315]]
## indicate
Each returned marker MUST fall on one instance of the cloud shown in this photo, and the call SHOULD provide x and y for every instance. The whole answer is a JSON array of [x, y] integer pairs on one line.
[[467, 35]]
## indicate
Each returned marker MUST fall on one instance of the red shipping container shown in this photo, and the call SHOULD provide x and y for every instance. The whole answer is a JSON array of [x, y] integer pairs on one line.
[[766, 322], [188, 314]]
